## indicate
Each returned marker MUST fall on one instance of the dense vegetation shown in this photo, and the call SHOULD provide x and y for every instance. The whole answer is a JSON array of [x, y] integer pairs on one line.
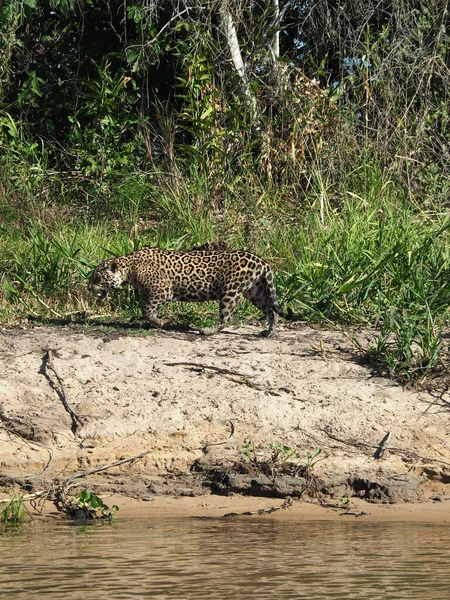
[[315, 134]]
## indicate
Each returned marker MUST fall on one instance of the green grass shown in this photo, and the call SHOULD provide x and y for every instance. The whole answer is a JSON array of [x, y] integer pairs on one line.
[[13, 512], [369, 257]]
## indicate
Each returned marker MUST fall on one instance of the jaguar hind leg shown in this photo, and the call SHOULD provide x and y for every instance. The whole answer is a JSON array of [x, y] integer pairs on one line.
[[227, 305], [260, 297]]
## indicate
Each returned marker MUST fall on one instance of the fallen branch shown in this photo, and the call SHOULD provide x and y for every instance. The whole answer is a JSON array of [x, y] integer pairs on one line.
[[207, 444], [59, 491], [68, 481], [234, 375], [26, 497], [262, 511], [47, 365]]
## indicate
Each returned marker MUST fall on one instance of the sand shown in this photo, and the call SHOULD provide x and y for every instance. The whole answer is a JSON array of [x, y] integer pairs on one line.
[[192, 402]]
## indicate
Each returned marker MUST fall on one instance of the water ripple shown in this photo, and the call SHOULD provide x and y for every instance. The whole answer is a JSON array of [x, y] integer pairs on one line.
[[217, 560]]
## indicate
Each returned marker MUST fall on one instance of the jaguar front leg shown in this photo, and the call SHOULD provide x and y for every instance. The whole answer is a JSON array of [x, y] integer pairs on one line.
[[150, 312]]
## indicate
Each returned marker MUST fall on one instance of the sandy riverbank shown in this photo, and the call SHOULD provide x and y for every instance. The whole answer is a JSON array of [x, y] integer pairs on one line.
[[192, 402], [244, 507]]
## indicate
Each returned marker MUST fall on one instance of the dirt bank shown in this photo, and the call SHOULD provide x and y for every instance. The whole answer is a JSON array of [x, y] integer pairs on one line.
[[194, 401]]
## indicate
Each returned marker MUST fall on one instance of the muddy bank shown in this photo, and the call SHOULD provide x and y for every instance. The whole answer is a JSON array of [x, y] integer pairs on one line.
[[209, 411]]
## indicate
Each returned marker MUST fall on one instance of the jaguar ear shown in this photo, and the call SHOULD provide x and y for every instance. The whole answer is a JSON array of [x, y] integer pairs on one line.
[[113, 266]]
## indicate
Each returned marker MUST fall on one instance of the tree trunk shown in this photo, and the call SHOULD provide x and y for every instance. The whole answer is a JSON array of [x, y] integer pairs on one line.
[[229, 31]]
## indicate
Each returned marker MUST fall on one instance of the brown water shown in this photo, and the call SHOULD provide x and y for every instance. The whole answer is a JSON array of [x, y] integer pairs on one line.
[[221, 559]]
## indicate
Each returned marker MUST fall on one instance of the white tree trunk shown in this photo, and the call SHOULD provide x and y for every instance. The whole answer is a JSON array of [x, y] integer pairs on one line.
[[276, 37], [229, 31]]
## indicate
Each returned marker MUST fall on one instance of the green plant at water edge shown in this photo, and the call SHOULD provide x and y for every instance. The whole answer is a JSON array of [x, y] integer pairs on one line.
[[88, 505], [278, 459], [14, 511], [344, 504]]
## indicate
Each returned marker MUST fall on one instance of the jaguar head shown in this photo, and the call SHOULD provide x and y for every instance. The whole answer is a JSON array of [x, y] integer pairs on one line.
[[106, 277]]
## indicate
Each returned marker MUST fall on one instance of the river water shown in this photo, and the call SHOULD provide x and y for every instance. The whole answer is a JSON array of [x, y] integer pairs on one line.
[[213, 559]]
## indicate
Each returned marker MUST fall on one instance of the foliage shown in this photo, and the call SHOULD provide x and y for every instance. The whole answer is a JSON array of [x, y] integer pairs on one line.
[[344, 504], [130, 123], [105, 88], [88, 505], [276, 460], [14, 512], [376, 260], [409, 343]]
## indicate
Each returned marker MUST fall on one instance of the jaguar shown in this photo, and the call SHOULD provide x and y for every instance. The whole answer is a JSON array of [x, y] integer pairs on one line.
[[194, 275]]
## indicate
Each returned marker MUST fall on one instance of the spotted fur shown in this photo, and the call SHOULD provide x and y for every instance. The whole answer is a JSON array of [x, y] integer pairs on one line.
[[192, 276]]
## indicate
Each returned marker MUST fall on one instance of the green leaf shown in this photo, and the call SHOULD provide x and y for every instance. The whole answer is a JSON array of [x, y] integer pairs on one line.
[[205, 114], [97, 502], [348, 285]]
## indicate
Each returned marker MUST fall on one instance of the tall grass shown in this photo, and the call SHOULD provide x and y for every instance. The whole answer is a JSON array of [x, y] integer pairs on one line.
[[380, 264], [13, 512], [365, 259]]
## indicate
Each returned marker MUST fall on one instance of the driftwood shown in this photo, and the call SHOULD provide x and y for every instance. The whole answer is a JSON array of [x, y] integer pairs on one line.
[[208, 444], [47, 365], [58, 490], [262, 511], [60, 493], [68, 481], [232, 375], [28, 497]]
